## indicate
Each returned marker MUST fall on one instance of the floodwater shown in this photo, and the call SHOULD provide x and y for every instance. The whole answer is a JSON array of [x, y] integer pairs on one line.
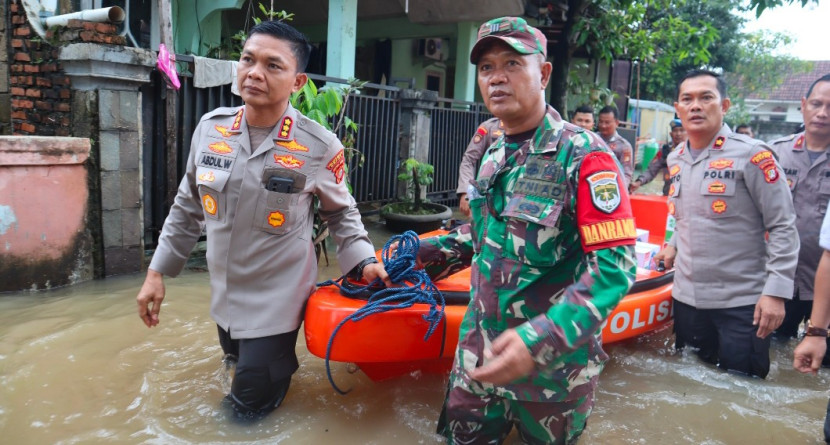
[[78, 366]]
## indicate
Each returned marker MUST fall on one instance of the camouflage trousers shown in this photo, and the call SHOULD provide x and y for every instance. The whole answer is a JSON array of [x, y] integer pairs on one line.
[[469, 418]]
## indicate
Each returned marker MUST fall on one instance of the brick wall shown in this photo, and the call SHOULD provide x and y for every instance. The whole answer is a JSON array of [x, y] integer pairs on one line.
[[40, 92], [5, 98]]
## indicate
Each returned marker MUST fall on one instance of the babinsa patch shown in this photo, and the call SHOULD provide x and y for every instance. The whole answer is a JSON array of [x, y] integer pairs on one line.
[[605, 191]]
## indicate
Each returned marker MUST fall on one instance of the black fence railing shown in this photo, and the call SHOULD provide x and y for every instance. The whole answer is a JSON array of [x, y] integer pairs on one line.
[[376, 109], [453, 124]]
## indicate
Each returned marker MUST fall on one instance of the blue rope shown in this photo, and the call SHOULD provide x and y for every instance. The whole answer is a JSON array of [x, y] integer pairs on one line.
[[415, 287]]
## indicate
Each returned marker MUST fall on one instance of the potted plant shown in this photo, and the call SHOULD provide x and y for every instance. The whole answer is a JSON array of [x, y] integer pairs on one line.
[[415, 213]]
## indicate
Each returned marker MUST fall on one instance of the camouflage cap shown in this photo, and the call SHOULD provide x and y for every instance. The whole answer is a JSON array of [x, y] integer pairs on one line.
[[514, 31]]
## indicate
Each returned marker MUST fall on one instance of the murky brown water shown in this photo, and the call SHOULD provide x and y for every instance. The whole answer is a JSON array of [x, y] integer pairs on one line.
[[78, 366]]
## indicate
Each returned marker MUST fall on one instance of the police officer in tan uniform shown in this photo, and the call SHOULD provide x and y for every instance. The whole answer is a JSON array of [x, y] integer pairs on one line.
[[727, 193], [486, 134], [251, 175], [607, 128], [806, 163]]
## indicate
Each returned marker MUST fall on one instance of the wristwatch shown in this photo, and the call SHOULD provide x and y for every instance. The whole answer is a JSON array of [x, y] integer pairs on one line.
[[813, 331], [357, 271]]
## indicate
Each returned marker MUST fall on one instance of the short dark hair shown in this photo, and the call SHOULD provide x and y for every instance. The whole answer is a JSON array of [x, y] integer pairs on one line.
[[300, 45], [610, 109], [584, 109], [740, 126], [824, 78], [697, 73]]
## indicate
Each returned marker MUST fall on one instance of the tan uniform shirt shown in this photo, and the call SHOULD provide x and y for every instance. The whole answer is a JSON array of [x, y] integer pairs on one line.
[[259, 250], [624, 153], [725, 201], [486, 134], [810, 186]]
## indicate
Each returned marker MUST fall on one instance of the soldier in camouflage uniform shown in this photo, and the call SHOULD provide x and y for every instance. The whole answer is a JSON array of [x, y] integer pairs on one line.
[[550, 246]]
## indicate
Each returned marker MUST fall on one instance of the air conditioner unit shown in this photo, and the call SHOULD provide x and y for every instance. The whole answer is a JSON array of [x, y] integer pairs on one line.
[[431, 49]]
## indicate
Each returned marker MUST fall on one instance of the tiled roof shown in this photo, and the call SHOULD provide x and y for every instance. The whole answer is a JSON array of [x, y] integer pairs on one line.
[[795, 86]]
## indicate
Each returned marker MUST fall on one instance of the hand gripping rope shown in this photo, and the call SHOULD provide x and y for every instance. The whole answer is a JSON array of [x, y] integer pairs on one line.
[[415, 287]]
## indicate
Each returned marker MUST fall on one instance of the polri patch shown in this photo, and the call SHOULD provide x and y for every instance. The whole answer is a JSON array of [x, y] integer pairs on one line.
[[337, 166], [759, 157], [237, 120], [225, 132], [292, 145], [605, 191], [285, 127], [799, 143], [770, 172], [288, 161], [207, 177], [220, 147], [276, 219], [209, 204], [674, 170], [721, 164], [717, 187]]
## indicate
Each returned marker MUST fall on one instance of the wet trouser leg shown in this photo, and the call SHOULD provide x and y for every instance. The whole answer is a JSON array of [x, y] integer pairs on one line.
[[467, 418], [263, 370], [723, 336], [692, 328], [827, 424], [798, 311]]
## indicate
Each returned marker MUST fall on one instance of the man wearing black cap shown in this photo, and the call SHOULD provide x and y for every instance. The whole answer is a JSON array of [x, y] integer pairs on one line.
[[550, 251], [658, 164]]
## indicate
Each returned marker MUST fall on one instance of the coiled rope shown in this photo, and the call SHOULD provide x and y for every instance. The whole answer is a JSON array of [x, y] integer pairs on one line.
[[415, 287]]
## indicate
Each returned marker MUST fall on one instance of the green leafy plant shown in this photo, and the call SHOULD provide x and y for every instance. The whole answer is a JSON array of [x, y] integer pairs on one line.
[[416, 174]]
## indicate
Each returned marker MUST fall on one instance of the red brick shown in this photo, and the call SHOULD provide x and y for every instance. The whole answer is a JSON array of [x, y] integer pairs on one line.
[[50, 94], [17, 43], [89, 36], [17, 91], [23, 31], [22, 103], [48, 68], [27, 127], [105, 28], [31, 68], [43, 105], [75, 24], [13, 7], [33, 92], [18, 20], [25, 80], [22, 57], [43, 82], [65, 94], [63, 106], [18, 115]]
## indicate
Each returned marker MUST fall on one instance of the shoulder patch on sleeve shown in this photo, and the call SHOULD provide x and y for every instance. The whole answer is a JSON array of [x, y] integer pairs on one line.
[[603, 207]]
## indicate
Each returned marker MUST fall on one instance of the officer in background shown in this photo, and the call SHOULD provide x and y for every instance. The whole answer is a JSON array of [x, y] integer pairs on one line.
[[485, 135], [250, 179], [658, 164], [806, 163], [584, 117], [744, 129], [810, 353], [727, 193], [550, 251], [607, 128]]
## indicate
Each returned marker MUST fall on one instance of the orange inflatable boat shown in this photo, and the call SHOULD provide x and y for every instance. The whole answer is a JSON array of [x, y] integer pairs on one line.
[[392, 343]]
